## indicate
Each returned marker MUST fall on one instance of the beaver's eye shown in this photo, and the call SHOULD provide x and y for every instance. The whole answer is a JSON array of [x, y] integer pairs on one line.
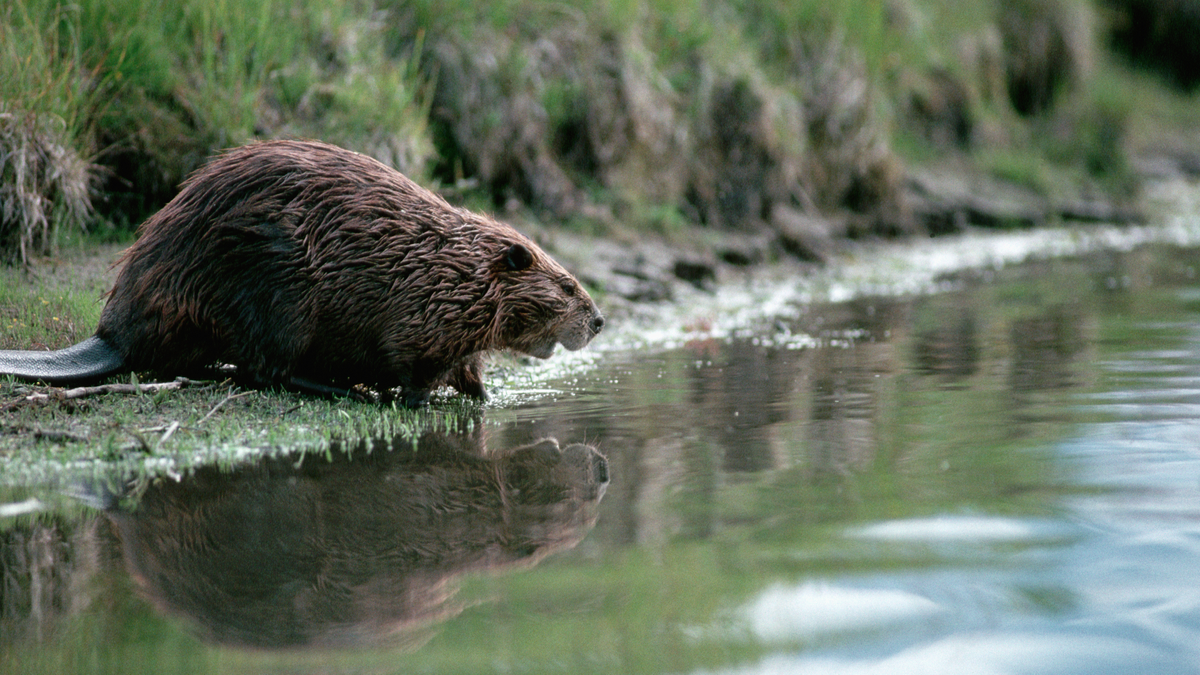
[[567, 286]]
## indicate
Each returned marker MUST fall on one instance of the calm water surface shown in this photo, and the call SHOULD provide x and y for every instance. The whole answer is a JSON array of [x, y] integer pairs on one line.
[[1001, 478]]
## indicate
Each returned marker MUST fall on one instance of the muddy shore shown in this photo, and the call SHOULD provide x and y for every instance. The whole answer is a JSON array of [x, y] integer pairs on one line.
[[636, 270], [657, 291]]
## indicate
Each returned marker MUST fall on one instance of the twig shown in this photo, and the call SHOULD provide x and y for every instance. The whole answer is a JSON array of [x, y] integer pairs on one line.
[[217, 407], [166, 436], [120, 388], [161, 428], [55, 436]]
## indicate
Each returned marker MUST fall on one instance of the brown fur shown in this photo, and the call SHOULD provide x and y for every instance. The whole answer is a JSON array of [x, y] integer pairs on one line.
[[303, 262], [358, 549]]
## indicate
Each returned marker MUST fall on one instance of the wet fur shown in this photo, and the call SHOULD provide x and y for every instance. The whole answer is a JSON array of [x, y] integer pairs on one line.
[[307, 265], [360, 548]]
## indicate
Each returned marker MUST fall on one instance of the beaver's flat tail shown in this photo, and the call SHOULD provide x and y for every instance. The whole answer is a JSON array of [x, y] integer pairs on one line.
[[87, 361]]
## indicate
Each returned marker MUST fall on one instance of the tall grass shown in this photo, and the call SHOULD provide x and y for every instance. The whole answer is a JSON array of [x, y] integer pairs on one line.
[[150, 89], [235, 69], [46, 97], [623, 104], [42, 61]]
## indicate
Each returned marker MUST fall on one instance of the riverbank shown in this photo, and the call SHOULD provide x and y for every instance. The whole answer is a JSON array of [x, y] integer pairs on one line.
[[699, 165], [998, 467], [53, 439], [803, 121]]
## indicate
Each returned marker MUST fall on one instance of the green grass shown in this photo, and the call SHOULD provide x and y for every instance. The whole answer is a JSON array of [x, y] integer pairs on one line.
[[43, 63], [150, 89], [46, 100], [169, 432], [1023, 168], [57, 303], [226, 63]]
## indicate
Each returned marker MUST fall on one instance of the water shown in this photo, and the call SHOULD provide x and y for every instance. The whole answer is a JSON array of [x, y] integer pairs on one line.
[[999, 477]]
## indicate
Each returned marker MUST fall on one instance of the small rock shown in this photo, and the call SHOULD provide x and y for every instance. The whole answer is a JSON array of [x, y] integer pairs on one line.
[[698, 273], [741, 257], [990, 211], [947, 201], [750, 245], [1099, 211], [638, 288], [806, 237]]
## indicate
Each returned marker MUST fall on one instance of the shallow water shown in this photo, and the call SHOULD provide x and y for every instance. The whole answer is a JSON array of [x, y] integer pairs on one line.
[[999, 477]]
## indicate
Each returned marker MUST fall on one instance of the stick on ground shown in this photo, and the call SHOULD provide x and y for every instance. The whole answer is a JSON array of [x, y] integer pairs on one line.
[[119, 388]]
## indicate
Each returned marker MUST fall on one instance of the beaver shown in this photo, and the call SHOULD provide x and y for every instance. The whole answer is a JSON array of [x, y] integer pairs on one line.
[[315, 268], [353, 546]]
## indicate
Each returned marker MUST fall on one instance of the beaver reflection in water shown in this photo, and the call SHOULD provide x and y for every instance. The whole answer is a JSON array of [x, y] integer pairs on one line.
[[358, 550], [316, 268]]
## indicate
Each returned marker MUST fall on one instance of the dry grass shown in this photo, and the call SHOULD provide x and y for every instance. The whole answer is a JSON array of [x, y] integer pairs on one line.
[[626, 124], [44, 185], [633, 114]]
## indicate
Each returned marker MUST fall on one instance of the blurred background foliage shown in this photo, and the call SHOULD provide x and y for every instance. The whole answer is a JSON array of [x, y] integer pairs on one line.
[[642, 115]]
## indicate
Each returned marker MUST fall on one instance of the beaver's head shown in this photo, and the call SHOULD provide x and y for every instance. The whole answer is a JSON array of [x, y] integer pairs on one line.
[[541, 304]]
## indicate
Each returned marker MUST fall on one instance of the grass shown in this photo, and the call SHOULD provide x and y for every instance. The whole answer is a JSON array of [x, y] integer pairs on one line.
[[46, 179], [612, 102], [168, 433], [149, 90], [627, 104], [57, 303]]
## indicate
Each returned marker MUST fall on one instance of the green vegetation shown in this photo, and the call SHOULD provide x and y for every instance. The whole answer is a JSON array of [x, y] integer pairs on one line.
[[57, 303], [45, 104], [169, 432], [647, 113], [146, 90]]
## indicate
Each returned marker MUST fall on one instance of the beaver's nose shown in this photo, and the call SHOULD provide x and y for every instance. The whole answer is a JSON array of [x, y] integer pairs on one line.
[[597, 323]]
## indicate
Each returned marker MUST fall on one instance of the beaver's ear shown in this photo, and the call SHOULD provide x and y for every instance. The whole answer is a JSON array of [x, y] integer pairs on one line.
[[518, 258]]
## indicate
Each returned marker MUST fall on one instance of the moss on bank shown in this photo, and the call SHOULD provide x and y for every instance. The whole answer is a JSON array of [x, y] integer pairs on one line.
[[207, 423]]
